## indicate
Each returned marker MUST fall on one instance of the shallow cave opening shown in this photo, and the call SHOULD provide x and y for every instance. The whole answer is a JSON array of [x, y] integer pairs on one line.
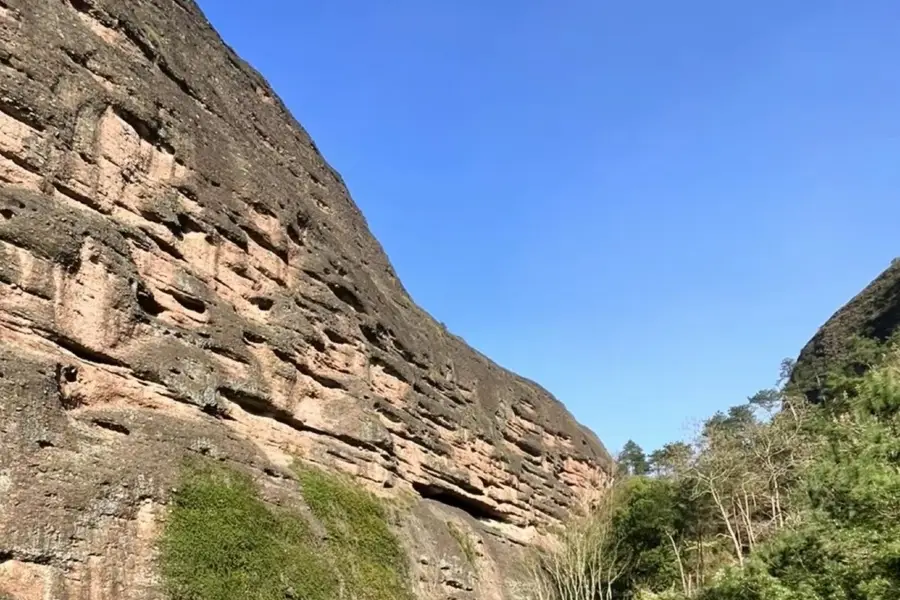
[[477, 509], [111, 426], [147, 302], [189, 302], [347, 296], [262, 303]]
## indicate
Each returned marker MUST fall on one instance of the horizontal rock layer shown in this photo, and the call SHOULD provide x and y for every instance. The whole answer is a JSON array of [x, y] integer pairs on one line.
[[180, 270]]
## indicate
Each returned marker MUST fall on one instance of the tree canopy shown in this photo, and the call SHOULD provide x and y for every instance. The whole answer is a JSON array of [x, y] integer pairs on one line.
[[773, 499]]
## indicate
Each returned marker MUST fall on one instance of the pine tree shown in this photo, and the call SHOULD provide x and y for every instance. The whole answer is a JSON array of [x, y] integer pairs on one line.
[[632, 460]]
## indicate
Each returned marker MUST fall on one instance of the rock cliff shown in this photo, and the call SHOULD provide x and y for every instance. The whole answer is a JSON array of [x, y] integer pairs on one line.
[[874, 313], [182, 273]]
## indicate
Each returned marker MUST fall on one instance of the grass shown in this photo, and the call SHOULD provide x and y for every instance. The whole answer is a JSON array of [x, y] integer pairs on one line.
[[221, 542], [465, 543], [368, 556]]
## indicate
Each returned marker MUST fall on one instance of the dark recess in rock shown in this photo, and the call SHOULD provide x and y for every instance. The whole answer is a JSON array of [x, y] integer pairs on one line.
[[475, 508]]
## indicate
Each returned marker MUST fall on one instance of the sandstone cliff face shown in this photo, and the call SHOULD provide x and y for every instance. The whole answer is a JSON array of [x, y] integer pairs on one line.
[[873, 313], [181, 272]]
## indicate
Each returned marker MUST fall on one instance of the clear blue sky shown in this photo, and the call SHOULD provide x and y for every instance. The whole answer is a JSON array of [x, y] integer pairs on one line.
[[644, 206]]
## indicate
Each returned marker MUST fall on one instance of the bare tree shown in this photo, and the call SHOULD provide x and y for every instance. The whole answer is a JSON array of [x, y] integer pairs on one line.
[[586, 560]]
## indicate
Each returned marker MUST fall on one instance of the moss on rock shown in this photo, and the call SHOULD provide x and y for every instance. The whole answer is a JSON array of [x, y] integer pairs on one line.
[[222, 541], [368, 557]]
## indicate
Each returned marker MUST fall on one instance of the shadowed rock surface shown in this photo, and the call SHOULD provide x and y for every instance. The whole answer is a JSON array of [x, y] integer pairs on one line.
[[873, 313], [181, 272]]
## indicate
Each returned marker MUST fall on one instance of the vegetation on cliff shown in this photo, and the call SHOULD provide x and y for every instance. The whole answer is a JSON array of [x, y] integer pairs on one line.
[[775, 499], [222, 541], [869, 319], [361, 546]]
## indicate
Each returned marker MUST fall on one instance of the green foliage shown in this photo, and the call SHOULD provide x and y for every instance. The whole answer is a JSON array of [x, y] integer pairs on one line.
[[838, 384], [774, 500], [222, 542], [842, 381], [647, 512], [750, 583], [736, 419], [368, 557], [672, 458], [632, 460], [878, 393]]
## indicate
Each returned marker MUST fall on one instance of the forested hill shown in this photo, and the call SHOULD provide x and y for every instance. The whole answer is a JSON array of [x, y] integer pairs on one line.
[[873, 314], [793, 494]]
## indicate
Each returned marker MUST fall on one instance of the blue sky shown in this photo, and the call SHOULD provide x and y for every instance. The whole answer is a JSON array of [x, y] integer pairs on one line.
[[643, 206]]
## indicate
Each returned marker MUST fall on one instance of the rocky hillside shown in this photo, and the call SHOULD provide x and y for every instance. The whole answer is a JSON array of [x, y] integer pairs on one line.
[[182, 274], [873, 314]]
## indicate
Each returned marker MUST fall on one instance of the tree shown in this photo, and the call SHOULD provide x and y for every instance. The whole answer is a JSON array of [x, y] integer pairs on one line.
[[785, 371], [632, 460], [671, 459], [775, 499], [845, 545], [650, 521], [718, 474], [767, 400], [587, 561]]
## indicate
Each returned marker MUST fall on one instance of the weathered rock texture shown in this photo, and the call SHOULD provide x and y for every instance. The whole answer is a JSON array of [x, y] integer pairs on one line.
[[180, 271], [873, 313]]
